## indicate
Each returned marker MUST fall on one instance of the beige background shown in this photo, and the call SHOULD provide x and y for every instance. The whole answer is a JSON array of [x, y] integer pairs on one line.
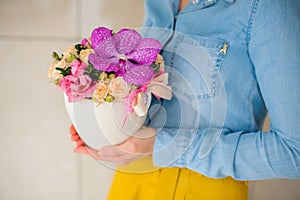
[[37, 162]]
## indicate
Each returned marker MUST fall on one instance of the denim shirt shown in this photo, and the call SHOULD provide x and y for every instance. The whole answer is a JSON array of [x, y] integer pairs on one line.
[[229, 63]]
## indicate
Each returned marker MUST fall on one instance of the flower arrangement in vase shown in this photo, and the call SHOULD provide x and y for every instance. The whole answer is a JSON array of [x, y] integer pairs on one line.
[[107, 81]]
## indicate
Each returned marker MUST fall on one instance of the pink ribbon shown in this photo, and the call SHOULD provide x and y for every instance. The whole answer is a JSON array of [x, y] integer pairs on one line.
[[157, 86]]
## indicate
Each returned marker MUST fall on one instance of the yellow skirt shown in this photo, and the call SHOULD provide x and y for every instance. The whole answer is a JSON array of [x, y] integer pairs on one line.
[[142, 181]]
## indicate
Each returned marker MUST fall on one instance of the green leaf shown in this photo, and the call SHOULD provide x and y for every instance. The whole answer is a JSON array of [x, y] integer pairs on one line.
[[56, 82], [55, 56], [72, 58], [92, 72], [109, 99], [60, 69], [156, 67], [64, 72], [68, 70], [79, 47]]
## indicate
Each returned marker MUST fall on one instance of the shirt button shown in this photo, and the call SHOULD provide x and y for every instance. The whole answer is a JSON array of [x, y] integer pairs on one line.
[[195, 1]]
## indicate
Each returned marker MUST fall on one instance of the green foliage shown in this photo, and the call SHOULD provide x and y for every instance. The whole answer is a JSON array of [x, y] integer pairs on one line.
[[109, 99], [72, 58], [111, 76], [79, 47], [64, 72], [55, 56], [56, 81], [156, 67], [92, 72]]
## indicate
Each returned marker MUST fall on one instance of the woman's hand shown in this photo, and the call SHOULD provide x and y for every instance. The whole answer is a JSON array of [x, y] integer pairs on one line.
[[137, 146], [80, 146]]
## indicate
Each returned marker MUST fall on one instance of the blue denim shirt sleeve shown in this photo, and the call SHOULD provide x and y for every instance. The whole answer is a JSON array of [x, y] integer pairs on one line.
[[273, 46]]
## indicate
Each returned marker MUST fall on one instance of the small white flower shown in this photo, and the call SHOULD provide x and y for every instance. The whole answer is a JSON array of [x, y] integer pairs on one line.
[[84, 55], [119, 88]]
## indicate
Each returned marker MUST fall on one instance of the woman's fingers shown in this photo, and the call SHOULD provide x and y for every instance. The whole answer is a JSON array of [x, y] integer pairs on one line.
[[80, 146], [79, 143], [73, 130], [75, 138], [81, 149], [87, 151], [137, 146]]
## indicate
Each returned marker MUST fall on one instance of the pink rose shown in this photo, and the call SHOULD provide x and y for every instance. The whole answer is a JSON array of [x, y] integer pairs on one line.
[[84, 42], [78, 68], [77, 88]]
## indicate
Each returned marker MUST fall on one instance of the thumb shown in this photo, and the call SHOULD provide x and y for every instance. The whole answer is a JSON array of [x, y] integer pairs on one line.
[[87, 151], [81, 149]]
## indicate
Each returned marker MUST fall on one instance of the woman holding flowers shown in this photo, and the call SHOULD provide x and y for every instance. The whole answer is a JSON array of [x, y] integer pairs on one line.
[[230, 62]]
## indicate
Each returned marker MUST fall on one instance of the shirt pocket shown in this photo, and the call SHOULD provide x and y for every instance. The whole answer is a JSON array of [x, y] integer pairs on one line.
[[194, 62]]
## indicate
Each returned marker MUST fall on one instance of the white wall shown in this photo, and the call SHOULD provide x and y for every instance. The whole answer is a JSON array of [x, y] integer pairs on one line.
[[37, 161]]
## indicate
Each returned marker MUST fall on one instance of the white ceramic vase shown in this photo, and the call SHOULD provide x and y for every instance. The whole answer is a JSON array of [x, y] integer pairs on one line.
[[104, 124]]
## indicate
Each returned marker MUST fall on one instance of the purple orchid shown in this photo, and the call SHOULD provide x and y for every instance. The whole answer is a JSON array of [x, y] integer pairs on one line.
[[126, 53]]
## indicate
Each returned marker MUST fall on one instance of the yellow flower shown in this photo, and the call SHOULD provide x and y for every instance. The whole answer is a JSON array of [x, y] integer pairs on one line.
[[84, 55], [159, 60], [63, 64], [52, 72], [103, 76], [101, 92], [70, 50]]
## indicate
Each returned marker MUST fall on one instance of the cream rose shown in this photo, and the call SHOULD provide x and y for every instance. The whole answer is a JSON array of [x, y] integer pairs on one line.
[[62, 64], [53, 73], [103, 76], [160, 60], [100, 92], [84, 55], [119, 88], [70, 50]]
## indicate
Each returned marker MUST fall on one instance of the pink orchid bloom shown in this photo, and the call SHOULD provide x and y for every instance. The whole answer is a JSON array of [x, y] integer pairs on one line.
[[126, 53]]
